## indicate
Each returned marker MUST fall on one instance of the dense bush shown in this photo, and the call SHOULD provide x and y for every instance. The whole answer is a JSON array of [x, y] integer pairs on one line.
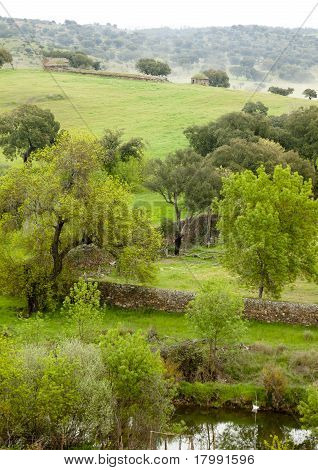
[[53, 399], [153, 67], [275, 384], [142, 395]]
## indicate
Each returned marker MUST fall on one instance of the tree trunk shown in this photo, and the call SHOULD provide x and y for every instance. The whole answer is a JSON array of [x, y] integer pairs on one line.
[[32, 300], [55, 252], [260, 291], [27, 154], [178, 235]]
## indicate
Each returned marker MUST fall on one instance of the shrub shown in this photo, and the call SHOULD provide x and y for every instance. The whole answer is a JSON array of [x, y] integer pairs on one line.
[[53, 399], [216, 314], [308, 408], [305, 363], [153, 67], [277, 444], [82, 306], [187, 358], [142, 394], [275, 384]]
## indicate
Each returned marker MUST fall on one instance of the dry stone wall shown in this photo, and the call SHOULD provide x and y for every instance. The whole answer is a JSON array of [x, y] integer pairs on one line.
[[131, 296]]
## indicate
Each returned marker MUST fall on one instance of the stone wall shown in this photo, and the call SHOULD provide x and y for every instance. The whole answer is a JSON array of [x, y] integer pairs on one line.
[[107, 74], [131, 296]]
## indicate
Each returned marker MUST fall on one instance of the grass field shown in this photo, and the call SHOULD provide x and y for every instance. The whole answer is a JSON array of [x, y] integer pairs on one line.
[[291, 347], [168, 325], [157, 112]]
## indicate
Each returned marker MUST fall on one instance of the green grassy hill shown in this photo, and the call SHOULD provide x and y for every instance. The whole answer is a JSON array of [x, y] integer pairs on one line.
[[158, 112]]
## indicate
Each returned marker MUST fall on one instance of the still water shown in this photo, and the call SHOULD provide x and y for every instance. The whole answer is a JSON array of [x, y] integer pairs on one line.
[[236, 429]]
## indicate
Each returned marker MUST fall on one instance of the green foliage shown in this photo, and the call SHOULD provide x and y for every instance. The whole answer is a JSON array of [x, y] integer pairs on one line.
[[25, 130], [142, 249], [77, 59], [187, 182], [216, 394], [153, 67], [52, 399], [63, 201], [116, 153], [141, 393], [83, 306], [277, 444], [310, 93], [255, 108], [308, 409], [268, 226], [302, 124], [216, 315], [5, 57], [240, 154], [185, 359], [204, 139], [281, 91], [183, 47], [275, 384], [217, 78], [80, 60]]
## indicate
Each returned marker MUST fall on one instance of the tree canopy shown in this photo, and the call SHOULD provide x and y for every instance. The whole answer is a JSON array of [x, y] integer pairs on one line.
[[5, 57], [63, 201], [310, 93], [281, 91], [153, 67], [268, 226], [217, 78], [26, 129]]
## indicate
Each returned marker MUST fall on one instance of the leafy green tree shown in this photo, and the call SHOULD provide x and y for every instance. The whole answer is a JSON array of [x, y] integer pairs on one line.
[[82, 306], [281, 91], [302, 125], [310, 93], [204, 186], [242, 154], [308, 410], [216, 315], [25, 130], [153, 67], [217, 78], [169, 178], [255, 108], [81, 60], [48, 209], [5, 57], [116, 151], [142, 394], [204, 139], [268, 226]]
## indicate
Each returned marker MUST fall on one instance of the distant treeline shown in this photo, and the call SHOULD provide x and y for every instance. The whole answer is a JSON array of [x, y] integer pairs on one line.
[[247, 51]]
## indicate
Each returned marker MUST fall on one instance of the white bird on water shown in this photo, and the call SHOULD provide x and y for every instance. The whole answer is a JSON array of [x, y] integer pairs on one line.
[[255, 407]]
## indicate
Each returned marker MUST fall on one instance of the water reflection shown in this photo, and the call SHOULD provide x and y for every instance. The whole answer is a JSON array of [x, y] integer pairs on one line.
[[236, 429]]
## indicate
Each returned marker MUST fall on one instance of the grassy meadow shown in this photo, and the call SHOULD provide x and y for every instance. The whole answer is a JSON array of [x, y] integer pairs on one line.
[[157, 112]]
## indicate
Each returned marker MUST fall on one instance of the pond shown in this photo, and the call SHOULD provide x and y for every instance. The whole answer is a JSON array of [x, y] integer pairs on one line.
[[235, 429]]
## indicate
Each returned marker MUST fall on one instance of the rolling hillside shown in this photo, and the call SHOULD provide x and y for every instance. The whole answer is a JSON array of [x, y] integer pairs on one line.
[[157, 112]]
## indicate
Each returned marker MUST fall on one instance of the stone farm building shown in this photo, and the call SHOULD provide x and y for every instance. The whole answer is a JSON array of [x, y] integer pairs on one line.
[[56, 63], [200, 79]]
